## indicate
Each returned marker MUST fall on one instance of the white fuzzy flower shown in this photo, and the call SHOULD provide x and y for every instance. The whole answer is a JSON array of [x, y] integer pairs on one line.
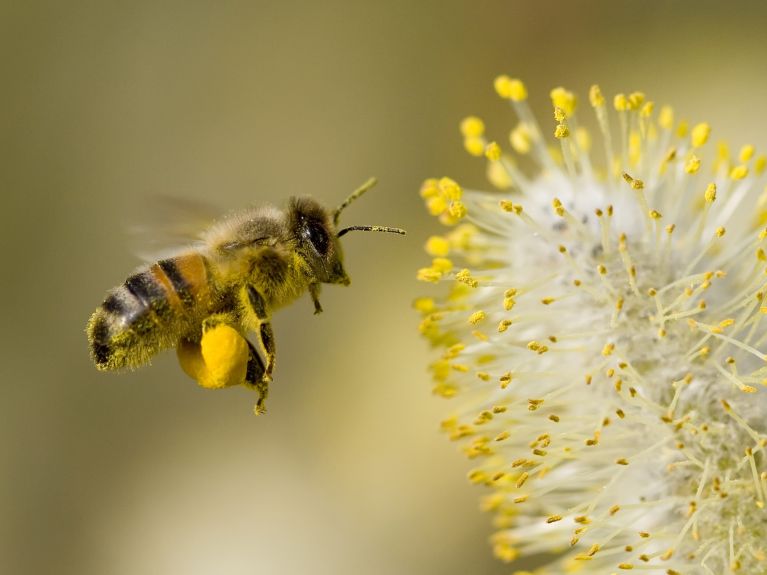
[[604, 340]]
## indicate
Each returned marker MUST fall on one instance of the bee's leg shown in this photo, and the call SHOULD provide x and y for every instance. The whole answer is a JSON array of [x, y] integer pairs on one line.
[[254, 378], [221, 357], [263, 329], [314, 291]]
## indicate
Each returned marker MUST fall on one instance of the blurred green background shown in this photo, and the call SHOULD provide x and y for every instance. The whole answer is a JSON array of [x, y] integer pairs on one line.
[[106, 105]]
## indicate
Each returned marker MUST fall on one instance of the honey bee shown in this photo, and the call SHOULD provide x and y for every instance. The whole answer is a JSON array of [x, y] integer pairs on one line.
[[247, 265]]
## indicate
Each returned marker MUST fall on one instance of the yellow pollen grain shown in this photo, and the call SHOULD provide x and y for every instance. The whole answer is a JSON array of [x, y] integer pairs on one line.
[[699, 134], [472, 126]]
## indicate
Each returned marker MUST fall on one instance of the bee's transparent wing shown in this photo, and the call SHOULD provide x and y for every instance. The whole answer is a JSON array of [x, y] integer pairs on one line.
[[170, 224]]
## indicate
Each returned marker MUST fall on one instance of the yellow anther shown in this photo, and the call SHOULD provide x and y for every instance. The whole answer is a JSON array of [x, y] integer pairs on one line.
[[504, 325], [553, 518], [621, 102], [710, 194], [636, 99], [506, 205], [739, 172], [428, 275], [502, 436], [456, 209], [595, 96], [521, 139], [746, 153], [608, 349], [655, 214], [474, 145], [622, 461], [429, 188], [450, 188], [699, 134], [471, 126], [692, 165], [563, 99], [602, 269], [442, 265], [647, 110], [666, 118], [635, 184], [682, 129], [437, 246], [559, 114], [493, 152], [464, 276], [548, 300], [760, 163], [558, 207], [720, 231], [477, 317], [510, 88], [561, 131], [424, 305]]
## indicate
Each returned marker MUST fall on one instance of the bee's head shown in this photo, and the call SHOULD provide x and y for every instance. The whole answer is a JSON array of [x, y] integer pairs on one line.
[[316, 232], [312, 227]]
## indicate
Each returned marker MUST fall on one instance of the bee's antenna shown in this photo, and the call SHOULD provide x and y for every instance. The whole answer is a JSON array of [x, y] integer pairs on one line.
[[353, 196], [371, 229]]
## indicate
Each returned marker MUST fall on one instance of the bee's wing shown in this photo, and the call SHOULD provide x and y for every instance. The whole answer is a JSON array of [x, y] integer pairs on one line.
[[169, 225]]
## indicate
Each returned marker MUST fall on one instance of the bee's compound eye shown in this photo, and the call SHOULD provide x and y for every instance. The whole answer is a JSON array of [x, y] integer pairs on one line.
[[318, 237]]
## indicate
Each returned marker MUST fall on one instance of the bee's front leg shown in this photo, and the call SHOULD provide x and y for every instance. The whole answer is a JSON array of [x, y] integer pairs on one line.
[[314, 291]]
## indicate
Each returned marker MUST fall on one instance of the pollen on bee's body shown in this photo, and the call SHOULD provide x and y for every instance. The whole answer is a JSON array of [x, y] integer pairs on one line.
[[632, 406]]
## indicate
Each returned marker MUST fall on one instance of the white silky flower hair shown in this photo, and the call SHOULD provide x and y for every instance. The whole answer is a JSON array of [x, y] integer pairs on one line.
[[601, 335]]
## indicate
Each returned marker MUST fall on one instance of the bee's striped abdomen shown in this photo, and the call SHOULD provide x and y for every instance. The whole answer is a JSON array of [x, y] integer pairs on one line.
[[149, 312]]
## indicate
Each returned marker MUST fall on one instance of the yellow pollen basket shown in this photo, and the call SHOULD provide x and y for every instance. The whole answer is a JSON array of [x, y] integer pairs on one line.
[[219, 360]]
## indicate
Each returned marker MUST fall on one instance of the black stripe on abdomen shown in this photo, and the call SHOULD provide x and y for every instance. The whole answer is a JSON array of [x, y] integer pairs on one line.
[[144, 288], [178, 281]]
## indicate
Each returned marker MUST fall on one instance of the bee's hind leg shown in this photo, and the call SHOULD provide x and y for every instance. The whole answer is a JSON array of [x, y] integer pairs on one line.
[[221, 357], [254, 378]]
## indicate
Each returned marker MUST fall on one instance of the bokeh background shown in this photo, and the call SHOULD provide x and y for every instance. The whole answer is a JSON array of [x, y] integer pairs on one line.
[[105, 105]]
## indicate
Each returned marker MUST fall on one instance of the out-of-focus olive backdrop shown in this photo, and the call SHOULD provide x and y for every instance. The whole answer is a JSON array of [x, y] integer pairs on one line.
[[108, 104]]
